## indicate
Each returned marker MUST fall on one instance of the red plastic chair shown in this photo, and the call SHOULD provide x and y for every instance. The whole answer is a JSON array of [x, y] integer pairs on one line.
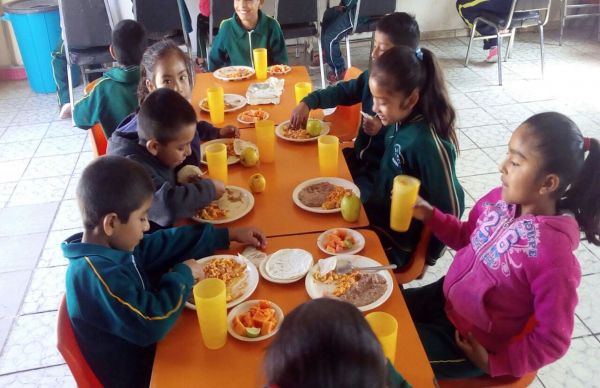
[[414, 268], [345, 120], [98, 140], [69, 348]]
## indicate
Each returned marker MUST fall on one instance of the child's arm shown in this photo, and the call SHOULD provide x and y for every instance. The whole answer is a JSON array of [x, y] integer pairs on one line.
[[86, 112], [218, 57], [207, 131], [555, 298], [276, 46]]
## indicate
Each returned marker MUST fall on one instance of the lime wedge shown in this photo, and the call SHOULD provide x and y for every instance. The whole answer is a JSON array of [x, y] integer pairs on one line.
[[252, 332]]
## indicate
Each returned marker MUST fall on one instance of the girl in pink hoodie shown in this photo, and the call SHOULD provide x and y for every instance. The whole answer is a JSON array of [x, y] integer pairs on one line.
[[506, 306]]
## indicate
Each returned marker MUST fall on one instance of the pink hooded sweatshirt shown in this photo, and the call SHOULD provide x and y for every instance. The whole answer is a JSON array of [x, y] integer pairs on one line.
[[505, 271]]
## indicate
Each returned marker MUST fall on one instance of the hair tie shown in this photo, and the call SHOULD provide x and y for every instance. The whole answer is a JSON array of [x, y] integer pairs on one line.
[[586, 144], [419, 54]]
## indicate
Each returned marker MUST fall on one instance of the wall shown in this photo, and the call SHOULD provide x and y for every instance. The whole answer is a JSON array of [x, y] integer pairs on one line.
[[9, 51]]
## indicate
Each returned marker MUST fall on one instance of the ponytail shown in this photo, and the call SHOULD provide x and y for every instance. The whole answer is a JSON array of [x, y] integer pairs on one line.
[[402, 70], [562, 150]]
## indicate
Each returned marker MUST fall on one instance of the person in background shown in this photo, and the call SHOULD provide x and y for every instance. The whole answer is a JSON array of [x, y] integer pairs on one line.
[[327, 343], [202, 26], [167, 126], [470, 9], [113, 96], [248, 29], [507, 304], [125, 289], [409, 94], [396, 29]]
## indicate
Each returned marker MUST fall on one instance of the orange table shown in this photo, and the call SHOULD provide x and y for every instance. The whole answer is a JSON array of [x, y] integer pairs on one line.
[[277, 113], [274, 211], [182, 360]]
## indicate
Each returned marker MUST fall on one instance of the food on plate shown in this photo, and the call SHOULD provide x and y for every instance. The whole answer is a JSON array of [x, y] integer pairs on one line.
[[231, 271], [230, 150], [334, 199], [300, 133], [249, 157], [235, 72], [212, 212], [257, 183], [233, 195], [188, 174], [260, 320], [279, 69], [313, 127], [350, 206], [315, 194], [288, 264], [357, 288], [228, 104], [338, 241], [253, 115]]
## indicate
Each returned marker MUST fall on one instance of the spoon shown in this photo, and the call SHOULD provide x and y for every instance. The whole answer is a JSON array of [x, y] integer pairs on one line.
[[345, 266]]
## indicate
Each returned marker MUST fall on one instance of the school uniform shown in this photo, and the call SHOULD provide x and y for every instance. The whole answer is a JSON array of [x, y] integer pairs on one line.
[[414, 148], [233, 44], [122, 303], [112, 98], [471, 9], [363, 159], [172, 201]]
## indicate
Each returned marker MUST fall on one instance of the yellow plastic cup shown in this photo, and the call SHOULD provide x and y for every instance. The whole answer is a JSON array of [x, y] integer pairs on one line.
[[404, 196], [211, 308], [216, 158], [302, 89], [328, 155], [385, 327], [216, 104], [265, 140], [260, 62]]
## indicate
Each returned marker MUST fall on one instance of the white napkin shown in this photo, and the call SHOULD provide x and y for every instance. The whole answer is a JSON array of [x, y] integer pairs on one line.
[[268, 92]]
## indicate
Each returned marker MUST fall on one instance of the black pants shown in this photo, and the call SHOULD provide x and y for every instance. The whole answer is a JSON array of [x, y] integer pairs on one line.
[[426, 306], [202, 25], [470, 9]]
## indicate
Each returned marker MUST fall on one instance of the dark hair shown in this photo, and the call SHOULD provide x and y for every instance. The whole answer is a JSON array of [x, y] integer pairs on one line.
[[152, 55], [325, 343], [401, 28], [561, 147], [163, 114], [129, 42], [112, 184], [401, 69]]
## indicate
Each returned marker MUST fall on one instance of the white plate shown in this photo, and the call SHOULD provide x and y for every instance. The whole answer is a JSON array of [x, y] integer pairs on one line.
[[358, 238], [244, 307], [237, 102], [231, 159], [236, 210], [265, 274], [334, 181], [227, 73], [251, 122], [316, 289], [287, 69], [251, 272], [279, 132]]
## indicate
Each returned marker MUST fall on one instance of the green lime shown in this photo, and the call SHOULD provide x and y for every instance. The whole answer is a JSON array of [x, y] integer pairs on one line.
[[252, 332]]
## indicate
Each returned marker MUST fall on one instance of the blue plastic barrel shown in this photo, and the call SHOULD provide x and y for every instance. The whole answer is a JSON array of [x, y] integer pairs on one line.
[[36, 24]]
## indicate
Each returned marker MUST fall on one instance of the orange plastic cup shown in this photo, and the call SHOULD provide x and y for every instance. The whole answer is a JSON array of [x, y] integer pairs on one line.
[[302, 89], [404, 196], [265, 140], [260, 62], [385, 327], [328, 155], [216, 158], [216, 104], [211, 308]]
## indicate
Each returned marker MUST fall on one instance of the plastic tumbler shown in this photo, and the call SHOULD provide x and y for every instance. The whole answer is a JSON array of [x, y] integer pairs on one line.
[[302, 89], [216, 158], [216, 104], [404, 196], [260, 62], [265, 140], [211, 308], [385, 327], [328, 155]]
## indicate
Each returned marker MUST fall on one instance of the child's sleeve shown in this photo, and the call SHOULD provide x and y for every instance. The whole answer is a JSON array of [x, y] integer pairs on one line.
[[555, 298], [277, 47], [207, 131], [343, 93], [86, 112], [218, 56]]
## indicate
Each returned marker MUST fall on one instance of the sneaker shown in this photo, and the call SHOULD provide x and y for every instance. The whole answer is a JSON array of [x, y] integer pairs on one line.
[[65, 111], [492, 56]]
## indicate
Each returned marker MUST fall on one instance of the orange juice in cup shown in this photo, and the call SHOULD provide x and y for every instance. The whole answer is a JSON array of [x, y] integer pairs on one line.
[[328, 155], [302, 89], [385, 327], [216, 158], [211, 308], [265, 140], [216, 104], [404, 196], [260, 62]]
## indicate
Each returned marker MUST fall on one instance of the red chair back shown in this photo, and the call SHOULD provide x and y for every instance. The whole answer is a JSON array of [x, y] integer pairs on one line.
[[345, 120], [414, 268], [69, 348], [99, 142]]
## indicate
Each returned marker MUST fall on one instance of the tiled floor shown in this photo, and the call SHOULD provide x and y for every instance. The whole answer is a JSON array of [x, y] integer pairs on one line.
[[41, 159]]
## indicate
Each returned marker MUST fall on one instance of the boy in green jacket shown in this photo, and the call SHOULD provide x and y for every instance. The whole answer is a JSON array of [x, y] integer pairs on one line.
[[114, 95], [248, 29], [125, 290], [396, 29]]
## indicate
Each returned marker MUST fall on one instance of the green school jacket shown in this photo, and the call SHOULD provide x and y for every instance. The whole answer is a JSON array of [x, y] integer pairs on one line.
[[414, 148], [113, 97], [233, 44]]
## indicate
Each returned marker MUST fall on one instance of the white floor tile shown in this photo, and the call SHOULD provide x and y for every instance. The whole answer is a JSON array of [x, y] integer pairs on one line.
[[479, 185], [42, 190], [47, 166], [45, 291], [488, 135], [55, 376], [588, 308], [61, 145], [578, 368], [491, 97], [68, 216], [475, 117], [474, 162], [18, 150], [24, 132]]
